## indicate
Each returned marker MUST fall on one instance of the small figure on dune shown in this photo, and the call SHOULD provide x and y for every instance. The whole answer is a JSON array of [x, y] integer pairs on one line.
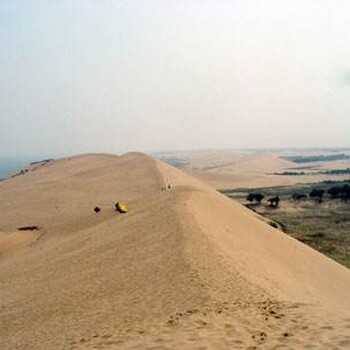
[[97, 210]]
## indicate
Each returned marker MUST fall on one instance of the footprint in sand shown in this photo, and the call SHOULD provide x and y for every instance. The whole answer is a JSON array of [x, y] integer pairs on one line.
[[345, 343], [106, 336], [327, 327], [261, 337], [201, 323]]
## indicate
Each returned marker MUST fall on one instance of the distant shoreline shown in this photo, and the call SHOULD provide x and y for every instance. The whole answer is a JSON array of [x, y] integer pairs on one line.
[[9, 166]]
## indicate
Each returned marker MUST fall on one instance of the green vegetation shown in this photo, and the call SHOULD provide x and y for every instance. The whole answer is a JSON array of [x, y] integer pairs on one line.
[[323, 226], [284, 192], [317, 194], [309, 159], [342, 192], [255, 197], [175, 162], [292, 173], [336, 172], [327, 172]]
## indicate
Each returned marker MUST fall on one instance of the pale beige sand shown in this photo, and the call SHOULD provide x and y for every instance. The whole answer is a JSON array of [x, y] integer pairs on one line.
[[186, 268], [225, 169], [246, 179], [11, 241]]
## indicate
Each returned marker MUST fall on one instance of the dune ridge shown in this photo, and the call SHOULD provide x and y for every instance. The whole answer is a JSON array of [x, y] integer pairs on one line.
[[262, 251], [185, 268]]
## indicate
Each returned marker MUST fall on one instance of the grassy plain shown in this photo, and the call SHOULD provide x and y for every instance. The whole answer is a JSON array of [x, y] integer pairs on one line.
[[325, 227]]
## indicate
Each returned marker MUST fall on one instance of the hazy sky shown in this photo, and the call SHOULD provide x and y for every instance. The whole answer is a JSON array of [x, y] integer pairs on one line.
[[113, 76]]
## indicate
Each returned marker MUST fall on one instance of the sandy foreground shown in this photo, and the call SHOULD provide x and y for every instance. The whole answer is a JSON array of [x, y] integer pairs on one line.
[[186, 268]]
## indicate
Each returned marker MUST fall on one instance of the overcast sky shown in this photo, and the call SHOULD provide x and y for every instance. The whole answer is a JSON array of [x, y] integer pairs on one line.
[[113, 75]]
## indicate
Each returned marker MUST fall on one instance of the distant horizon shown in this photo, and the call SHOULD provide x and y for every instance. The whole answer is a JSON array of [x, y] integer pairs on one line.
[[118, 76], [324, 148], [11, 164], [38, 156]]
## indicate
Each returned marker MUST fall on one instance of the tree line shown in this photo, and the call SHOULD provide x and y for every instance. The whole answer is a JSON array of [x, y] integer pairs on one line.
[[335, 192]]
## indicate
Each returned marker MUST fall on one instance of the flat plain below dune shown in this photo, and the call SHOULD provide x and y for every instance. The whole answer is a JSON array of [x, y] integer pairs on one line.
[[223, 180], [185, 268]]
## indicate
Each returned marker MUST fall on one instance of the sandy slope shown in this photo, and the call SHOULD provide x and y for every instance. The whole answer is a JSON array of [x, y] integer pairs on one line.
[[185, 268]]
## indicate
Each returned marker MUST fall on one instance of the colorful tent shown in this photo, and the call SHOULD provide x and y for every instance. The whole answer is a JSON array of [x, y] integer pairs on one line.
[[121, 208]]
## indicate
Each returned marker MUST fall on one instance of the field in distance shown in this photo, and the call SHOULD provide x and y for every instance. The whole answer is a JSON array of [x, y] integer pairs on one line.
[[323, 226], [227, 169]]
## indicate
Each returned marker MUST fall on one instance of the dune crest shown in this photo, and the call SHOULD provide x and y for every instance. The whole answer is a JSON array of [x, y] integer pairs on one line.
[[185, 268]]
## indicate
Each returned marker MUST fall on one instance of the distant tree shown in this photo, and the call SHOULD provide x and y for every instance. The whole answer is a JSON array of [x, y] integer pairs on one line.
[[345, 193], [274, 201], [335, 192], [298, 196], [342, 192], [250, 197], [257, 197], [317, 194]]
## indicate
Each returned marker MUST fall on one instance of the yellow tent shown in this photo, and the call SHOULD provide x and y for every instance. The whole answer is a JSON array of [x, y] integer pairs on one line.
[[122, 208]]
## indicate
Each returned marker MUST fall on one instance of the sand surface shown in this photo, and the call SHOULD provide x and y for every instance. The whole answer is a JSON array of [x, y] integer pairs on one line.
[[226, 169], [186, 268]]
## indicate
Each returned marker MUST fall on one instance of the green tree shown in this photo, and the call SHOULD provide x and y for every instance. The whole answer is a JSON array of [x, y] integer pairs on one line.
[[317, 194]]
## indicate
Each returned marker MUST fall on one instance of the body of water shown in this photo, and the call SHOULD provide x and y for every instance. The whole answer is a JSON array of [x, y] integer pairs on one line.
[[9, 166]]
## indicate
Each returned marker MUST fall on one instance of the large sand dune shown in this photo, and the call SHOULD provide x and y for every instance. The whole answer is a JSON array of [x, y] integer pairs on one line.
[[186, 268]]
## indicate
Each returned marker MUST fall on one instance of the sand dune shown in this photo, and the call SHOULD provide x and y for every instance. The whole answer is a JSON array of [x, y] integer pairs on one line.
[[228, 169], [223, 180], [186, 268], [11, 241]]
